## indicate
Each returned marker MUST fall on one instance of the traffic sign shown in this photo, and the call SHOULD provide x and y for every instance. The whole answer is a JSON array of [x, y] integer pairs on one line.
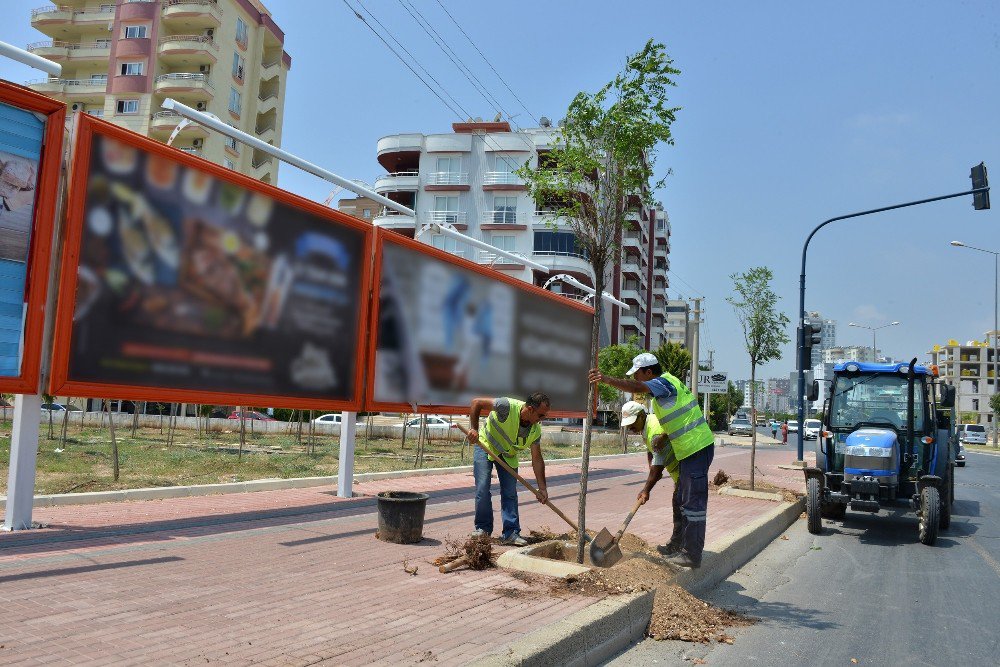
[[713, 382]]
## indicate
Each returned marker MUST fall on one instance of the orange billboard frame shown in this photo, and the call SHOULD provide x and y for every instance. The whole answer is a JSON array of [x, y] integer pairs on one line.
[[60, 382], [42, 226], [383, 236]]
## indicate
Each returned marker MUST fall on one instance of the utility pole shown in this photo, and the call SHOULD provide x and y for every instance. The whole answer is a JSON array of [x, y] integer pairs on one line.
[[696, 322], [711, 367]]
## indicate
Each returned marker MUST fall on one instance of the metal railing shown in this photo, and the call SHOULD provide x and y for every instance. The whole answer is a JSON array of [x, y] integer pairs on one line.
[[55, 9], [562, 253], [452, 217], [167, 115], [190, 77], [487, 257], [448, 178], [103, 83], [190, 150], [401, 174], [500, 217], [201, 39], [392, 213], [72, 46], [501, 178], [210, 3]]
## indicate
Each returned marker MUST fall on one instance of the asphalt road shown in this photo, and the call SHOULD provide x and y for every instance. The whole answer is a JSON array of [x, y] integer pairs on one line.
[[867, 590]]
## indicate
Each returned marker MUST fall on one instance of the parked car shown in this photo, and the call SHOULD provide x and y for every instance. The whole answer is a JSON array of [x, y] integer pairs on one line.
[[333, 419], [433, 421], [793, 426], [761, 422], [811, 430], [59, 407], [252, 414], [972, 434], [740, 427], [960, 458]]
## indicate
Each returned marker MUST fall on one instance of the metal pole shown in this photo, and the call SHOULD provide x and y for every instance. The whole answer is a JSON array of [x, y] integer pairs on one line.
[[996, 286], [802, 289], [345, 472], [23, 456], [694, 347], [30, 59]]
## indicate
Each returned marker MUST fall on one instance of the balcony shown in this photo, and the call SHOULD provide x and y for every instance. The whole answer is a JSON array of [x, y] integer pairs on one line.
[[184, 84], [265, 131], [76, 88], [503, 217], [81, 52], [628, 320], [391, 219], [457, 218], [269, 70], [400, 180], [631, 267], [631, 293], [632, 240], [497, 261], [52, 16], [164, 122], [190, 150], [449, 178], [502, 180], [188, 48], [267, 101], [198, 14]]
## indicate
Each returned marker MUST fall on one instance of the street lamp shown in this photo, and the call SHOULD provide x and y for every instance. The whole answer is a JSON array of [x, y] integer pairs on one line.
[[873, 330], [996, 282]]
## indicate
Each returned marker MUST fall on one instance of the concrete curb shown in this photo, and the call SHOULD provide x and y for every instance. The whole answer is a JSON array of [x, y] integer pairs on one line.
[[164, 492], [746, 493], [604, 629], [591, 636]]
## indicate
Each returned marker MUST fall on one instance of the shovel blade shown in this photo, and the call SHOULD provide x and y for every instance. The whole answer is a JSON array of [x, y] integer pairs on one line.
[[604, 551]]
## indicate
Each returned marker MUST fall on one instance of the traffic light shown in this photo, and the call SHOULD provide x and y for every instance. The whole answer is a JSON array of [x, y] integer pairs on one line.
[[980, 200], [810, 337]]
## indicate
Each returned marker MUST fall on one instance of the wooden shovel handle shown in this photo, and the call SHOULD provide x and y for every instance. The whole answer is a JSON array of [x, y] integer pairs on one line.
[[503, 464], [621, 531], [455, 564]]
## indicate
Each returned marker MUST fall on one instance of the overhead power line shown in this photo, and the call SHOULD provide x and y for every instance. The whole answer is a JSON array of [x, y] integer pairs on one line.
[[487, 61]]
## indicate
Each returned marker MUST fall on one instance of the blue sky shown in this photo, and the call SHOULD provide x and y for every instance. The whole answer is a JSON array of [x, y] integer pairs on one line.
[[792, 112]]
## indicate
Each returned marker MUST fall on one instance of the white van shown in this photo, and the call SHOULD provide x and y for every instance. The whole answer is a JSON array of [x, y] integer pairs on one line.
[[972, 434]]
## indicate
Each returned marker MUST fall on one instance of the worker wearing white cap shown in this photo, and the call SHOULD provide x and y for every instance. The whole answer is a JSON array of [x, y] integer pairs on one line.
[[659, 455], [692, 442]]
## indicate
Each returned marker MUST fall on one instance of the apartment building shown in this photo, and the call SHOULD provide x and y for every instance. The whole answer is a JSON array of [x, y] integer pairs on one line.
[[122, 58], [744, 387], [778, 390], [678, 325], [466, 179], [828, 335], [970, 369]]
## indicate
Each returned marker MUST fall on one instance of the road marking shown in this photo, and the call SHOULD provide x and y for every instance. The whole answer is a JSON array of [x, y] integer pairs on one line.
[[984, 555]]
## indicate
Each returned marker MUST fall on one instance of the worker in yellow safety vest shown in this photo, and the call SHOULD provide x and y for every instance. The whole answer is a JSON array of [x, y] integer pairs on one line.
[[511, 427], [691, 440]]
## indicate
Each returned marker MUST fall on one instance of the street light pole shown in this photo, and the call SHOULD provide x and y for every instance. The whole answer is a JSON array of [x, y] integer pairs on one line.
[[873, 330], [996, 290]]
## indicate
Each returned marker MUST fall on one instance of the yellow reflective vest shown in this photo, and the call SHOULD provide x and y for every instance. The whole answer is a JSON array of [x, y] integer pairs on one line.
[[682, 420], [502, 436], [653, 429]]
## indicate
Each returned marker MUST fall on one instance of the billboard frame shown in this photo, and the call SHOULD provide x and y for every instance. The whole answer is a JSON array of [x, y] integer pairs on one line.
[[43, 222], [60, 384], [383, 236]]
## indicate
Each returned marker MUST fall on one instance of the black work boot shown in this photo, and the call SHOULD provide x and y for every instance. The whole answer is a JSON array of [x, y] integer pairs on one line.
[[671, 548], [683, 559]]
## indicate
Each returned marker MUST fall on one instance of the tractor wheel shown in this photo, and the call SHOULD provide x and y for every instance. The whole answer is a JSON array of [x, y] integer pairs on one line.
[[944, 518], [814, 520], [930, 506]]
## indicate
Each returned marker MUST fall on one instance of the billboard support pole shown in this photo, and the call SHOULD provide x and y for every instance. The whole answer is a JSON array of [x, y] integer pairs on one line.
[[345, 472], [30, 59], [23, 456]]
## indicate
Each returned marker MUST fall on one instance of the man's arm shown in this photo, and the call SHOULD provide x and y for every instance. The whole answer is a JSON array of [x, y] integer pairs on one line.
[[624, 384], [655, 474], [480, 406], [538, 466]]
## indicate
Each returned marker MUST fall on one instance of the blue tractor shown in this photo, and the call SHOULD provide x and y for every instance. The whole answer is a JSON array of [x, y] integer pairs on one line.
[[887, 440]]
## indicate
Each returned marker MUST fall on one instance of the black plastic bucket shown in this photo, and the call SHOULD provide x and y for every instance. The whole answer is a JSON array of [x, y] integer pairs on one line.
[[401, 516]]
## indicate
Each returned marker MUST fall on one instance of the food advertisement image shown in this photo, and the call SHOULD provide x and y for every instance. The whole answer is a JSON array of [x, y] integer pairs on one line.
[[21, 135], [447, 334], [189, 281]]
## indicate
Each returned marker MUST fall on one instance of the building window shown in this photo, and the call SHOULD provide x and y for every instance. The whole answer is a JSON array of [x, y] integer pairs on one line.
[[241, 32], [239, 65], [367, 213], [504, 210], [447, 244], [505, 166], [449, 165], [232, 145], [503, 242], [133, 69], [446, 208], [229, 164], [98, 78], [558, 243], [127, 106], [235, 100], [135, 32]]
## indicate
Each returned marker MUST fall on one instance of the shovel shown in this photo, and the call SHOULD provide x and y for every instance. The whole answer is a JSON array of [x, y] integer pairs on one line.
[[605, 550], [503, 464]]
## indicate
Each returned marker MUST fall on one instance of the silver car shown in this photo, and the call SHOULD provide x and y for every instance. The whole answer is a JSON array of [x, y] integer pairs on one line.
[[972, 434], [740, 427]]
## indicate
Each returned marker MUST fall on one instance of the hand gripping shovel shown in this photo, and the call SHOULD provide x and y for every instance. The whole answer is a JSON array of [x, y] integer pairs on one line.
[[503, 464], [605, 550]]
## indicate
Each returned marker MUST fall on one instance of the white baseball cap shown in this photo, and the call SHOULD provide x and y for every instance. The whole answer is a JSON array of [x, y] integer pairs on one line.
[[631, 412], [643, 360]]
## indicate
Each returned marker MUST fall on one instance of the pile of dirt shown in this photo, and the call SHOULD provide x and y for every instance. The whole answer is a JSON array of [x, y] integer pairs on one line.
[[676, 613], [787, 495], [720, 479], [477, 551]]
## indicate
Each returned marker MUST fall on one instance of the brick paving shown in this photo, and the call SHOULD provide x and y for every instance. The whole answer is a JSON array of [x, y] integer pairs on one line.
[[295, 577]]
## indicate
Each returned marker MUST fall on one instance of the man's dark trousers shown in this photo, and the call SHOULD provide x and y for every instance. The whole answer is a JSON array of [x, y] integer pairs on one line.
[[693, 487]]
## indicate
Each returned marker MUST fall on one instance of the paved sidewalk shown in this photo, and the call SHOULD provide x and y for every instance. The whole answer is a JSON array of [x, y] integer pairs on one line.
[[295, 577]]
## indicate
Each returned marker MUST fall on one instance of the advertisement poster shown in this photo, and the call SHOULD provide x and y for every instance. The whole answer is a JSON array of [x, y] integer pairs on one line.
[[31, 135], [188, 281], [448, 333]]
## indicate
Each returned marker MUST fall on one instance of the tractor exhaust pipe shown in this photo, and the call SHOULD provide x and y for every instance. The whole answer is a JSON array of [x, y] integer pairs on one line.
[[910, 440]]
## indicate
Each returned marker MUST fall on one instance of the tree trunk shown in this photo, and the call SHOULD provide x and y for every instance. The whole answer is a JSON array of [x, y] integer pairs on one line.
[[50, 425], [421, 438], [298, 432], [114, 441], [588, 425], [243, 432], [65, 427], [197, 418], [753, 422], [406, 418], [135, 419], [312, 432]]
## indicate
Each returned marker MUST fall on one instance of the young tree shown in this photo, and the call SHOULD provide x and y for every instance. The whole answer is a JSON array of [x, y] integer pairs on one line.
[[763, 329], [616, 360], [724, 406], [995, 406], [674, 358], [602, 160]]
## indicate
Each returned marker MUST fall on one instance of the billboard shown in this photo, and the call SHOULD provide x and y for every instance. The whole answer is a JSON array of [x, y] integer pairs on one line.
[[448, 330], [183, 280], [31, 132], [713, 382]]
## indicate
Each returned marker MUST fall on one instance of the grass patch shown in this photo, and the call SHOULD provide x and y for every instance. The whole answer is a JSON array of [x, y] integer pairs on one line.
[[85, 461]]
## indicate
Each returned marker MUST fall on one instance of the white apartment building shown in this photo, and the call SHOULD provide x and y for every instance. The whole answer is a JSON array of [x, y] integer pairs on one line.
[[859, 353], [743, 386], [122, 58], [828, 335], [466, 179], [970, 369], [678, 325]]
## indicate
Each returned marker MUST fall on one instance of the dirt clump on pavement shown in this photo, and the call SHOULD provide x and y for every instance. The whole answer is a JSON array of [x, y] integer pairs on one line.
[[477, 550], [721, 477], [787, 495]]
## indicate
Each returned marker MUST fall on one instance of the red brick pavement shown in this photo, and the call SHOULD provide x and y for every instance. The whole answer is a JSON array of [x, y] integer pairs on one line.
[[296, 577]]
